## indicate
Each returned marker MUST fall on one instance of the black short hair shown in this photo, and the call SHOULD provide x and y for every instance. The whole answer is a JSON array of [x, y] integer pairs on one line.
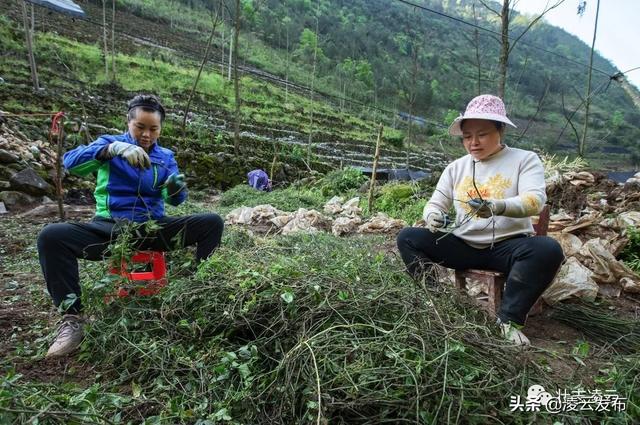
[[146, 102], [499, 124]]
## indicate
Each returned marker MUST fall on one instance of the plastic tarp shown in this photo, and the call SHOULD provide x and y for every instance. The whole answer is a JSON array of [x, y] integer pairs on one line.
[[395, 173], [63, 6], [573, 280]]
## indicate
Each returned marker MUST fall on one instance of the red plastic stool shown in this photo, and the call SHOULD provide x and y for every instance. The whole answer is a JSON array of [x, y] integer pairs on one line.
[[145, 283]]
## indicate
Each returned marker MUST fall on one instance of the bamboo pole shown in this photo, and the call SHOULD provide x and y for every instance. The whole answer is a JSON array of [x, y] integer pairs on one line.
[[376, 157], [273, 165], [60, 142], [113, 40], [28, 34], [104, 39], [236, 83], [205, 58]]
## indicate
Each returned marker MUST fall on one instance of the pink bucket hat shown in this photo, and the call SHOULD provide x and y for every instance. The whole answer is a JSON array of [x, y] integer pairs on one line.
[[483, 107]]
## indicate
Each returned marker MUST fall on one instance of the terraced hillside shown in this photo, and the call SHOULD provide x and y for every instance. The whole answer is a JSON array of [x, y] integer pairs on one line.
[[275, 122]]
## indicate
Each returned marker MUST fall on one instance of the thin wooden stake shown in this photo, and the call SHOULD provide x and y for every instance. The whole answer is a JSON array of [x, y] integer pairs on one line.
[[60, 143], [195, 83], [28, 34], [376, 157], [273, 165]]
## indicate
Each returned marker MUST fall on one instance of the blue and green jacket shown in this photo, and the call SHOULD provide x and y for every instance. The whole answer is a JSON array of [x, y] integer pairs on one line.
[[123, 191]]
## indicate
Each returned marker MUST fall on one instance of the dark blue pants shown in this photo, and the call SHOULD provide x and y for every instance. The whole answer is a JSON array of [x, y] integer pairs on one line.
[[61, 244], [530, 263]]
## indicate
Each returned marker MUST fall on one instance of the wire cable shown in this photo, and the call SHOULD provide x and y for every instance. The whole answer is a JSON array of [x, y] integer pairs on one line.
[[494, 32]]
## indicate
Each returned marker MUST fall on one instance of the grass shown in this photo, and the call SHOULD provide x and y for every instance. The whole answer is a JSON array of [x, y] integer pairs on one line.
[[288, 329], [288, 199], [631, 253], [403, 200]]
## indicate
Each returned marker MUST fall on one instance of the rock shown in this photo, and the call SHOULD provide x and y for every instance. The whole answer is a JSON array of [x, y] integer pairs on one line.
[[240, 215], [30, 182], [334, 205], [381, 223], [6, 172], [630, 285], [351, 208], [7, 157], [345, 225], [628, 218], [51, 210], [307, 221], [632, 185], [16, 199], [3, 209]]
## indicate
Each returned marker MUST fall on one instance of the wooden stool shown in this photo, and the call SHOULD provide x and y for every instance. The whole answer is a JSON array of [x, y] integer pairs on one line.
[[143, 283], [495, 281]]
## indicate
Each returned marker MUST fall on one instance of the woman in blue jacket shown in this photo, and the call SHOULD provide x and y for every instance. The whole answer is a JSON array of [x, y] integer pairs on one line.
[[135, 176]]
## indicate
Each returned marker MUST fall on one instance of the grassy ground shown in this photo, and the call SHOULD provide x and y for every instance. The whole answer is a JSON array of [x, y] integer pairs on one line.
[[286, 329]]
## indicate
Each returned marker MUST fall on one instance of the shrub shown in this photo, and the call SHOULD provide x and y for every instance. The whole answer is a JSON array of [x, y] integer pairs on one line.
[[401, 200], [341, 181], [288, 199], [631, 253]]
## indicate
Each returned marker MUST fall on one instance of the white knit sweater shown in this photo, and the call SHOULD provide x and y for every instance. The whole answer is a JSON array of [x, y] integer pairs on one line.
[[515, 175]]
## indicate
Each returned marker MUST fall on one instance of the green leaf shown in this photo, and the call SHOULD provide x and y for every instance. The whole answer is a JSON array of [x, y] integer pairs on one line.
[[136, 390], [579, 361], [581, 349], [244, 370], [222, 415], [287, 297]]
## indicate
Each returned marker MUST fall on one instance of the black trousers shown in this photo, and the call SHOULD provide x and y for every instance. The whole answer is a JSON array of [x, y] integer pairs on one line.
[[530, 264], [61, 244]]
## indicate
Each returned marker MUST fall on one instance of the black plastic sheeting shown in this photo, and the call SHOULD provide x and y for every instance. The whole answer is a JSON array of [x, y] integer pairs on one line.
[[395, 173], [620, 176], [63, 6]]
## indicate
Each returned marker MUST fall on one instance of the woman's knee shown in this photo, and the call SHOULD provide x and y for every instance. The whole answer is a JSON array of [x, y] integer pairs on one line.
[[548, 249], [214, 221], [405, 237], [209, 225], [52, 235]]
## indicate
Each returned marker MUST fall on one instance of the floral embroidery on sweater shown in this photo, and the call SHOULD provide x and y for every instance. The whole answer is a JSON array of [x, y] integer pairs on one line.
[[531, 203], [493, 188]]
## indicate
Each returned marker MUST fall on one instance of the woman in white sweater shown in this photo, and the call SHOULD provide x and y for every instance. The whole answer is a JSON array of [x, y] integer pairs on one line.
[[495, 190]]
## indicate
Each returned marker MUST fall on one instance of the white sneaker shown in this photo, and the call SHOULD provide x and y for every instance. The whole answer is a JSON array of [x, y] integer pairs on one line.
[[69, 336], [511, 332]]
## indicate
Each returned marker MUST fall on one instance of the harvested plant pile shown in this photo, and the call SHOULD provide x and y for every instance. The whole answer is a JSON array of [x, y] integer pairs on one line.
[[302, 329], [601, 325]]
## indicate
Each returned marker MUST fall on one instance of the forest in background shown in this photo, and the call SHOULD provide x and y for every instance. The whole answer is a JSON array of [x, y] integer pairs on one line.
[[400, 58]]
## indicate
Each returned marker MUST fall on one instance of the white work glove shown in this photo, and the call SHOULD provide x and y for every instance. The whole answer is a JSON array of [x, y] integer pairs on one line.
[[488, 208], [134, 155], [435, 221]]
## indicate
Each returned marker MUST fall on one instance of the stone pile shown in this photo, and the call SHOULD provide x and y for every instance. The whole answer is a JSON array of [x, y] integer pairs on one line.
[[26, 170], [594, 236], [343, 218]]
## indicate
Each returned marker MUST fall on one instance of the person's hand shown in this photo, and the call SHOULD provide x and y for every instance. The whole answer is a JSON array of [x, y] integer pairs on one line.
[[488, 208], [134, 155], [175, 183], [435, 221]]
